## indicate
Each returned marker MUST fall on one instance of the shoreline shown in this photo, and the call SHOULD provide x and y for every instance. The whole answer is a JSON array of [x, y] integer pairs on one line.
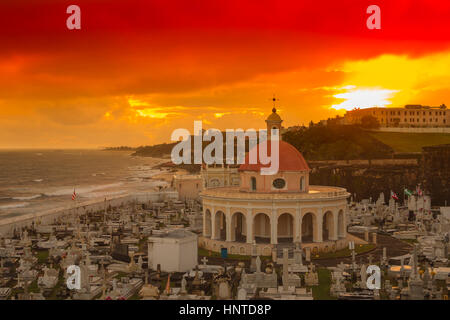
[[8, 225]]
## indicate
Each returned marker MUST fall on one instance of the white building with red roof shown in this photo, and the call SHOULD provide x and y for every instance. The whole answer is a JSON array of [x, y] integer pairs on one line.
[[274, 210]]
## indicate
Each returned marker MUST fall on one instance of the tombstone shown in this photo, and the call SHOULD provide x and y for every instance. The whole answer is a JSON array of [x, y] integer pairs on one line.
[[274, 254], [224, 291], [363, 274], [308, 254], [298, 254], [384, 259], [258, 264], [415, 284], [374, 237], [391, 205], [242, 294], [311, 278], [341, 266], [183, 285]]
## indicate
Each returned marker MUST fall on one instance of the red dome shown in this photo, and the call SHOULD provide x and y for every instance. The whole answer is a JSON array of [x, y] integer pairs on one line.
[[290, 159]]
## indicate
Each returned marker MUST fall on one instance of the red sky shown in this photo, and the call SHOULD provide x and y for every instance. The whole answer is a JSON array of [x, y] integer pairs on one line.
[[139, 69]]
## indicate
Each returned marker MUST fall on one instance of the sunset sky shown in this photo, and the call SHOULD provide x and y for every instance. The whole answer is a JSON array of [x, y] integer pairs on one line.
[[137, 70]]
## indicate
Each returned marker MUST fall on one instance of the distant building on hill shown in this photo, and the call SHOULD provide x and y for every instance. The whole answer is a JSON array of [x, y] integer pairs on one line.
[[411, 116]]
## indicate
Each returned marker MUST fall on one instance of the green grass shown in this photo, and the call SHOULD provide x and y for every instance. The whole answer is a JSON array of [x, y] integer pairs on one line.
[[322, 291], [410, 241], [120, 275], [411, 142], [42, 256]]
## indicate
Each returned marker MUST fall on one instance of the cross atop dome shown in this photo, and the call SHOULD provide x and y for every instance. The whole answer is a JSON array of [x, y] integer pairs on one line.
[[274, 120]]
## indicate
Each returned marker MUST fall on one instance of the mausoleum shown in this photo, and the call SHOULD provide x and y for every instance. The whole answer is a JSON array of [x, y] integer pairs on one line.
[[274, 210]]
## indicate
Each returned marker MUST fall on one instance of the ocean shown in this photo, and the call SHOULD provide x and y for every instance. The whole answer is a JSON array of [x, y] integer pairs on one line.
[[39, 180]]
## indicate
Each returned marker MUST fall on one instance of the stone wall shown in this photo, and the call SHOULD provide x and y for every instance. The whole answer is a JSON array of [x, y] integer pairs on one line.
[[435, 169], [366, 180]]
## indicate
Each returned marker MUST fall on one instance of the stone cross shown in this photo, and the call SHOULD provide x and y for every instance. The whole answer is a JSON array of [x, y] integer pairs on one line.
[[204, 260]]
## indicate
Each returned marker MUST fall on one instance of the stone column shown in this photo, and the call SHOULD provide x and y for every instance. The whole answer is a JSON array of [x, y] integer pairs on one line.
[[274, 227], [341, 231], [317, 236], [344, 211], [213, 224], [297, 226], [229, 226], [204, 221], [334, 236], [249, 222]]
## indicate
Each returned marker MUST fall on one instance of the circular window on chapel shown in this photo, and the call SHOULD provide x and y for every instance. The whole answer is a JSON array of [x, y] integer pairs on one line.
[[279, 183]]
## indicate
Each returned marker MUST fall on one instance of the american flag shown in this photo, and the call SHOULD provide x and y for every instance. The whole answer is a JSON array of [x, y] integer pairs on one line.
[[74, 195], [394, 195], [419, 191]]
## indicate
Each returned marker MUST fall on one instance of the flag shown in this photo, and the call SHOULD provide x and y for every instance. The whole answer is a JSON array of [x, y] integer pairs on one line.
[[408, 192], [394, 195], [419, 191], [74, 195], [167, 291]]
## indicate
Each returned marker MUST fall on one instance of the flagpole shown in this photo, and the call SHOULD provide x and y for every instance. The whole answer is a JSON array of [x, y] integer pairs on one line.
[[403, 195]]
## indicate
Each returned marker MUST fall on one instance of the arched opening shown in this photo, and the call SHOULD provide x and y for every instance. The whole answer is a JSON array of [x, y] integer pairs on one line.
[[302, 183], [238, 227], [308, 227], [328, 226], [221, 226], [253, 183], [207, 222], [261, 228], [285, 229], [341, 224]]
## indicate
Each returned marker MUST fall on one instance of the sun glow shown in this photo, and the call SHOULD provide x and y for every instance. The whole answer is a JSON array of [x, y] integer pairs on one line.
[[151, 113], [363, 98]]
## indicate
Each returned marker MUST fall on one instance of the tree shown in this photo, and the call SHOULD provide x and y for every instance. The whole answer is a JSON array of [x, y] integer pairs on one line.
[[369, 122]]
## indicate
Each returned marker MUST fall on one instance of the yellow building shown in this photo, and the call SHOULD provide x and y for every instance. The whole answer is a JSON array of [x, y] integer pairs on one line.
[[410, 116]]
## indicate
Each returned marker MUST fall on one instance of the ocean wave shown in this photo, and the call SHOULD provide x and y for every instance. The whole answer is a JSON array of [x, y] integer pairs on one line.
[[27, 198], [98, 174], [82, 190], [103, 194], [14, 205]]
